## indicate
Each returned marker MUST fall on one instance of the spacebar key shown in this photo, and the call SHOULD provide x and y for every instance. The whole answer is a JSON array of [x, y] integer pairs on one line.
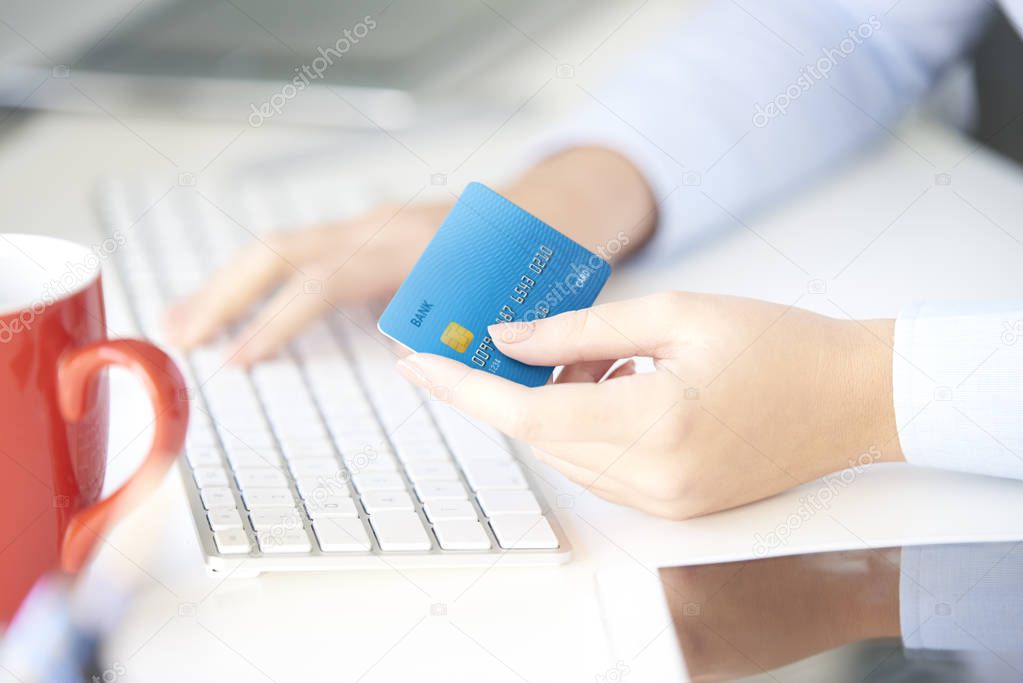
[[397, 531]]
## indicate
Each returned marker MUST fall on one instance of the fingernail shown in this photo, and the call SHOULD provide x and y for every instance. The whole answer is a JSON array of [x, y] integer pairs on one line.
[[411, 371], [509, 333]]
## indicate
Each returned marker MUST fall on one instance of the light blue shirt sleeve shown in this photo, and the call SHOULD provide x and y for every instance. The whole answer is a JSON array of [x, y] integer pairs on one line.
[[748, 101], [963, 597]]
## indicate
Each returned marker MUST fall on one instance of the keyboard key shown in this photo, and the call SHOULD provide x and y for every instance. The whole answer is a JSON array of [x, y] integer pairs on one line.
[[378, 481], [231, 541], [508, 503], [266, 519], [209, 360], [273, 373], [334, 506], [201, 438], [395, 400], [429, 451], [319, 467], [337, 535], [422, 437], [470, 439], [210, 477], [262, 477], [430, 471], [354, 439], [290, 426], [268, 498], [449, 509], [317, 340], [384, 501], [284, 541], [522, 532], [441, 490], [370, 461], [253, 438], [343, 417], [200, 456], [461, 534], [286, 400], [397, 531], [235, 410], [295, 448], [484, 475], [418, 425], [224, 518], [216, 498], [251, 459], [312, 488]]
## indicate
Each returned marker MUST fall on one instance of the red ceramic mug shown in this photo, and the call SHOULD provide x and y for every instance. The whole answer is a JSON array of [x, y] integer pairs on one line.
[[54, 407]]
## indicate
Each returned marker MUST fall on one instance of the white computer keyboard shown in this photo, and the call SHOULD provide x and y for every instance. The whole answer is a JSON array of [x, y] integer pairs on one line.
[[322, 457]]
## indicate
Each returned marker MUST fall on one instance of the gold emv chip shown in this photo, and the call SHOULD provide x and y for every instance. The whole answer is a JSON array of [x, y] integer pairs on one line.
[[456, 337]]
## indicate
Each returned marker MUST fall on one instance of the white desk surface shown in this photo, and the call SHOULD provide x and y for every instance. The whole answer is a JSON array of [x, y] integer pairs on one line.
[[537, 624]]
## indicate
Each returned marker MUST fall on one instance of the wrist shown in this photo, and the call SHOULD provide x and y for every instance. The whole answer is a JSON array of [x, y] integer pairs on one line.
[[868, 599], [593, 195], [869, 364]]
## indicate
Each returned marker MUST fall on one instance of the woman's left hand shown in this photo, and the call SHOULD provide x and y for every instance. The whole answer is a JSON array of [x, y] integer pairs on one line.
[[748, 399]]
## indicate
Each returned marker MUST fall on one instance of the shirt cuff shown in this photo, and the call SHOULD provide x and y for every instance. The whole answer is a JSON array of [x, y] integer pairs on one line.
[[958, 386], [962, 597]]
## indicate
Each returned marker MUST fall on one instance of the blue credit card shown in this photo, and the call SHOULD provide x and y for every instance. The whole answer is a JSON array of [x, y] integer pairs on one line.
[[490, 262]]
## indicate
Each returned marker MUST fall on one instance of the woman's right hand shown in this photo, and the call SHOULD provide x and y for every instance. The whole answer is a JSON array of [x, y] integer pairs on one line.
[[336, 264]]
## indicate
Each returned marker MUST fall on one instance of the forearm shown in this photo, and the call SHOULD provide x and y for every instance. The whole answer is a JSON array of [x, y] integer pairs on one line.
[[735, 107], [593, 195]]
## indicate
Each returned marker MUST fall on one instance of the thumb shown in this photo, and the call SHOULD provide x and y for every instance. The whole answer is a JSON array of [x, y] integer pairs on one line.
[[634, 327]]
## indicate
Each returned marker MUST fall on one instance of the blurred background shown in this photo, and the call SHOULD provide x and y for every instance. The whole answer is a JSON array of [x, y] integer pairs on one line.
[[360, 64], [370, 65], [362, 70], [409, 91]]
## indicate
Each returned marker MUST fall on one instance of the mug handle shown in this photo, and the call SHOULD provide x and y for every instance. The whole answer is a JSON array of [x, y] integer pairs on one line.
[[167, 391]]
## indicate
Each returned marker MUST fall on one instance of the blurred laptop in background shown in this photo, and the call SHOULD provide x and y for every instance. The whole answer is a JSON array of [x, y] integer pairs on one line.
[[357, 63]]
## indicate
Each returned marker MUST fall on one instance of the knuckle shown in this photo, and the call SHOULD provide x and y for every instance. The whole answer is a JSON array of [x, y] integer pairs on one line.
[[682, 511], [676, 430], [668, 486], [667, 300], [673, 430], [574, 325], [574, 322], [522, 423], [259, 256]]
